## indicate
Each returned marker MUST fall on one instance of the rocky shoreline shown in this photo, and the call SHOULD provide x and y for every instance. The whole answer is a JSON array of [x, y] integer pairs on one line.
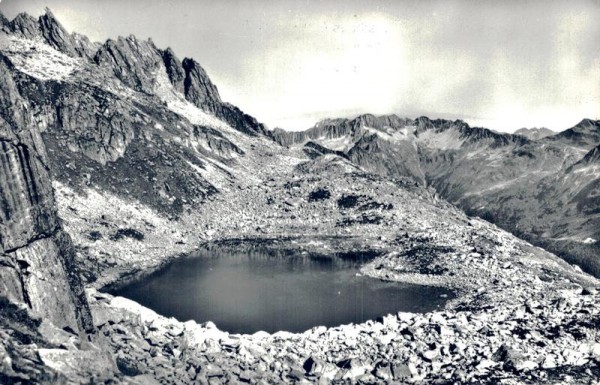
[[521, 314], [490, 334]]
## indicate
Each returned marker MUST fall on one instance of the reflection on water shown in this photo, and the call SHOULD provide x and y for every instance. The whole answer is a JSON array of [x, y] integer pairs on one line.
[[245, 289]]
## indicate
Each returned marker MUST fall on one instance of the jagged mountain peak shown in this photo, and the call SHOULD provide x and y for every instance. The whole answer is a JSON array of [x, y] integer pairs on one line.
[[25, 25], [48, 28], [534, 133], [132, 61], [198, 88], [56, 35], [589, 123], [585, 134], [3, 20]]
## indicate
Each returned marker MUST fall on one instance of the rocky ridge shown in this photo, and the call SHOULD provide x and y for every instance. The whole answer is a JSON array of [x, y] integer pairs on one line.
[[522, 315]]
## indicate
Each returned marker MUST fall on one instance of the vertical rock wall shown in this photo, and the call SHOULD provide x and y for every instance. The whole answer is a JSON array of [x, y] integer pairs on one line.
[[36, 256]]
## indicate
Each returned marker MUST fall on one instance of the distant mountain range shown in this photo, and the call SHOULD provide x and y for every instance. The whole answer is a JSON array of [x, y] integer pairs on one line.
[[534, 133], [544, 189]]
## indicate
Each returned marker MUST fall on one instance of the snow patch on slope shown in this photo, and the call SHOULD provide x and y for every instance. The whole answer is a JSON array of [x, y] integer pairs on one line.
[[176, 102], [390, 134], [445, 140], [342, 143], [37, 59], [211, 174]]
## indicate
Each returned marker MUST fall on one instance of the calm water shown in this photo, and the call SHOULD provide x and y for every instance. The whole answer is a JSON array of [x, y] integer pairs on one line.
[[244, 291]]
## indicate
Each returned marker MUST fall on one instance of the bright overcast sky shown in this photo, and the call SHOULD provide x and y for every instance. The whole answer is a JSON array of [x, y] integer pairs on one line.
[[500, 64]]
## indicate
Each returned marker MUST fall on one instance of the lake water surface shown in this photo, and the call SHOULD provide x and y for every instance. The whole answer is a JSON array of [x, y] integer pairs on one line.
[[244, 290]]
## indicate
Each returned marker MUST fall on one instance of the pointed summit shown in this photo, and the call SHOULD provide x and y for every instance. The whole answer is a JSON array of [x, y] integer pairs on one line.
[[56, 35], [198, 87], [589, 123], [3, 21], [585, 134], [26, 26], [174, 69]]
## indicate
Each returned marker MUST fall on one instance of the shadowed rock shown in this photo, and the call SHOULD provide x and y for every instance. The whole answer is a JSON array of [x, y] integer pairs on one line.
[[37, 256]]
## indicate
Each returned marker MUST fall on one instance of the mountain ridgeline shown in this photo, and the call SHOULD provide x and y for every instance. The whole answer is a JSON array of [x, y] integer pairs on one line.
[[543, 190], [535, 133]]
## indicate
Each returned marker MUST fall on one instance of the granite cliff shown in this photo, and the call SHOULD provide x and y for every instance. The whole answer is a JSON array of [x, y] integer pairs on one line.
[[37, 255]]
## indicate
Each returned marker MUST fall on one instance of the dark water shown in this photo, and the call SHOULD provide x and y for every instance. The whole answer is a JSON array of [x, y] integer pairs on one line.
[[244, 291]]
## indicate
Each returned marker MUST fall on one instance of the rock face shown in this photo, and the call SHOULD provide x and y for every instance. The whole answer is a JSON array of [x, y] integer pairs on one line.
[[174, 69], [49, 29], [198, 88], [133, 61], [37, 256]]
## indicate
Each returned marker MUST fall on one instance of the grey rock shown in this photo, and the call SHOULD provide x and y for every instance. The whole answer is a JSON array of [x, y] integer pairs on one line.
[[31, 235], [383, 370]]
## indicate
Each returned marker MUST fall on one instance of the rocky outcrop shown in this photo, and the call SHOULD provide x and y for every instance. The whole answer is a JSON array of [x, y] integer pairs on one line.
[[593, 156], [189, 78], [4, 22], [36, 265], [395, 160], [57, 36], [174, 69], [198, 88], [240, 120], [49, 29], [133, 61], [84, 47], [26, 26]]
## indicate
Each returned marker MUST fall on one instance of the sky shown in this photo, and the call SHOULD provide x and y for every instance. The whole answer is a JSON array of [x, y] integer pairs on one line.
[[498, 64]]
